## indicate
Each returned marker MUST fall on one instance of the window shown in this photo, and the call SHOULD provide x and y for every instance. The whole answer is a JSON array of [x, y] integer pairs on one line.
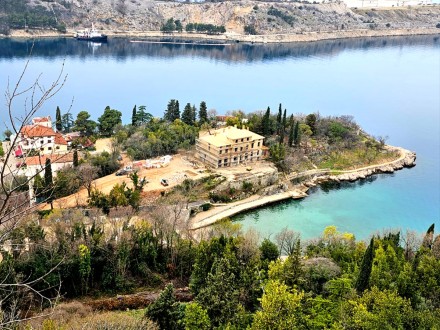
[[220, 152], [226, 151], [236, 149], [226, 160], [235, 158], [219, 161], [247, 147], [241, 148], [41, 141], [49, 141], [49, 148], [57, 147], [252, 146], [258, 143], [247, 139], [236, 141], [241, 140]]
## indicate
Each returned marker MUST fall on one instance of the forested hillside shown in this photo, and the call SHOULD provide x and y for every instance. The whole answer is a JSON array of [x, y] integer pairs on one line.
[[236, 279]]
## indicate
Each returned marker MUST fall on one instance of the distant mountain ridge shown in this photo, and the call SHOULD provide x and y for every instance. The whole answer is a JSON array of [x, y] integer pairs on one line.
[[238, 17]]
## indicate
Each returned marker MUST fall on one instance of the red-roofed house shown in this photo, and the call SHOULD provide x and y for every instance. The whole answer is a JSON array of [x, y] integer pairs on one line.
[[41, 137], [36, 164], [42, 121]]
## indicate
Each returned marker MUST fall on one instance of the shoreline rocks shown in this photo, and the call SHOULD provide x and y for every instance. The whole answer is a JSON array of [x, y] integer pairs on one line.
[[407, 160]]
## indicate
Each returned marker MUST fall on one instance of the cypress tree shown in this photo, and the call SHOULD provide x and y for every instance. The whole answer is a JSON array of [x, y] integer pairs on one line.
[[363, 279], [58, 122], [176, 110], [134, 118], [281, 136], [75, 158], [296, 134], [203, 113], [48, 182], [291, 135], [266, 123], [193, 114], [279, 118], [284, 120], [429, 236]]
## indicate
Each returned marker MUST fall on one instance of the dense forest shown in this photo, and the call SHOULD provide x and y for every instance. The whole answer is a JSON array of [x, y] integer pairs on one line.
[[236, 279]]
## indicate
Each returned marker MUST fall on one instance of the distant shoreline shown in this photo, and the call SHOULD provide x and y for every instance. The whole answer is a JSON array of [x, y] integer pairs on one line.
[[231, 37]]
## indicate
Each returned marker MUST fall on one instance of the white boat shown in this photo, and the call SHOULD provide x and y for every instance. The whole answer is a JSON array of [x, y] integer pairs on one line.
[[91, 35]]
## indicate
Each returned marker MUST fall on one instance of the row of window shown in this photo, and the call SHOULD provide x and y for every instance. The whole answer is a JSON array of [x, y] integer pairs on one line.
[[236, 158], [236, 148], [225, 164]]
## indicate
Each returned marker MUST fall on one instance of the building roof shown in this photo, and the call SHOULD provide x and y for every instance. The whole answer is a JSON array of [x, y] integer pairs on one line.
[[41, 120], [59, 139], [228, 135], [37, 131], [54, 158]]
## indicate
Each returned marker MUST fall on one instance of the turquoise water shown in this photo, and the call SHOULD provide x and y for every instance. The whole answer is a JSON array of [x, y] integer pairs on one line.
[[390, 85]]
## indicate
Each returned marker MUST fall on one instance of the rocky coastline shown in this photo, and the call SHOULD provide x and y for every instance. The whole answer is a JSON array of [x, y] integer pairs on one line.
[[282, 191], [232, 37]]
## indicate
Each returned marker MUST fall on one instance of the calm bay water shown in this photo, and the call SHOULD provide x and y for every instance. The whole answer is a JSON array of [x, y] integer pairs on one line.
[[390, 85]]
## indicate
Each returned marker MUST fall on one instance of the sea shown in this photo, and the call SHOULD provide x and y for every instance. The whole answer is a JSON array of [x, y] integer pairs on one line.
[[391, 86]]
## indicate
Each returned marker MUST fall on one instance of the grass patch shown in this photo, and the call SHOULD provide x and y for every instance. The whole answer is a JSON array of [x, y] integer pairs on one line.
[[356, 158]]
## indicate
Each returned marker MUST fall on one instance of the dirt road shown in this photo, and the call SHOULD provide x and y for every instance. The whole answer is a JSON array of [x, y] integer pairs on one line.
[[177, 170]]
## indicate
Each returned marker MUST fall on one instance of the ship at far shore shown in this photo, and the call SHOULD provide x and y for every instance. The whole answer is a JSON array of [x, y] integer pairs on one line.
[[90, 35]]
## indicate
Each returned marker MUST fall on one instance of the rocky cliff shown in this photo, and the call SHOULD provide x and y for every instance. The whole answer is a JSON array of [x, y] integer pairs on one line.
[[265, 18]]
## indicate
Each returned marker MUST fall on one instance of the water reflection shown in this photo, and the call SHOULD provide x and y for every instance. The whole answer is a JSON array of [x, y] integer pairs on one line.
[[121, 48]]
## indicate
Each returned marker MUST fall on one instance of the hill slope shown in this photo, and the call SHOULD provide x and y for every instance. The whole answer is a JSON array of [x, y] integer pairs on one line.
[[265, 18]]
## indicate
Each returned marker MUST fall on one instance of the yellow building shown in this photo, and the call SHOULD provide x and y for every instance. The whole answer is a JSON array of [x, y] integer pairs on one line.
[[229, 146]]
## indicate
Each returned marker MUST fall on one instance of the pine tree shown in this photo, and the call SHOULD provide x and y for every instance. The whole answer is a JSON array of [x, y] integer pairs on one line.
[[203, 113], [75, 158], [165, 310], [311, 121], [134, 118], [58, 122], [143, 116], [266, 123], [187, 115], [363, 279], [170, 112]]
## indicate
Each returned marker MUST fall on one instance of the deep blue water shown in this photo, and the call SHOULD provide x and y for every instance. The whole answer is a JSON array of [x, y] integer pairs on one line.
[[390, 85]]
